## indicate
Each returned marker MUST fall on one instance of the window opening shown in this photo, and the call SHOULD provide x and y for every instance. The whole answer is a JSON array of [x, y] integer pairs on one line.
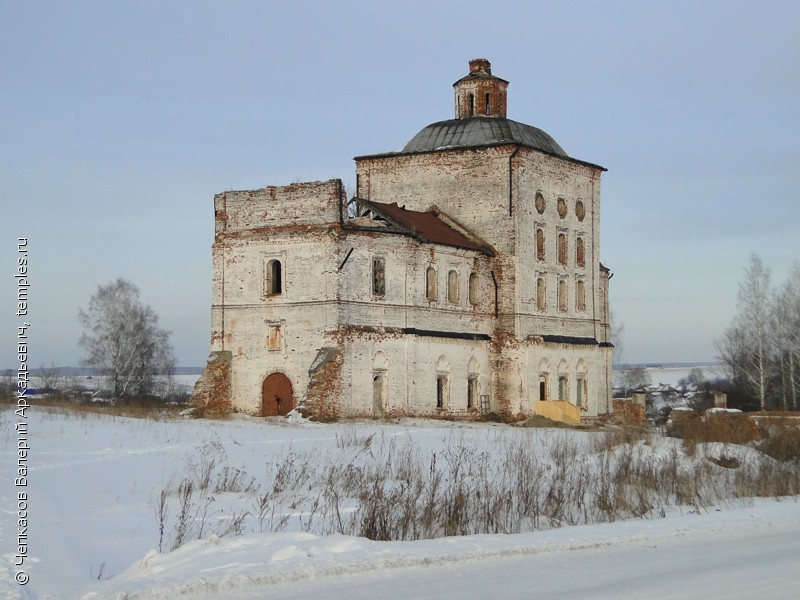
[[541, 294], [580, 210], [562, 295], [561, 205], [580, 295], [562, 249], [473, 288], [472, 391], [378, 392], [471, 104], [274, 286], [540, 244], [452, 287], [488, 98], [581, 400], [441, 390], [580, 253], [539, 203], [378, 277], [274, 337], [430, 284]]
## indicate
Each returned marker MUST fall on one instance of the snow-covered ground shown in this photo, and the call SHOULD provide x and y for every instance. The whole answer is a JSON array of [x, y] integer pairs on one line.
[[94, 483]]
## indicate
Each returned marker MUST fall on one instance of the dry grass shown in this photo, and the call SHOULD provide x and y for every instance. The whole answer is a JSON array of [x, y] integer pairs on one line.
[[137, 408], [726, 428], [393, 490]]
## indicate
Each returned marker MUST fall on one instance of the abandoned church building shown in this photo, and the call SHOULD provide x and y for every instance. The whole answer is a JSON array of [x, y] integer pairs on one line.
[[463, 277]]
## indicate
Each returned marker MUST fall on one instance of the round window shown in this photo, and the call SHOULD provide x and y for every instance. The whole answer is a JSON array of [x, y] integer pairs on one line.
[[580, 210], [539, 202], [562, 208]]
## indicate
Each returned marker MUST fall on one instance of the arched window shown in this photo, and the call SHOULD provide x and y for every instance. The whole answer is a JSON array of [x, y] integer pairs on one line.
[[430, 284], [473, 288], [378, 276], [562, 249], [471, 98], [488, 98], [442, 383], [472, 391], [582, 391], [540, 244], [274, 284], [580, 253], [580, 294], [541, 294], [562, 295], [452, 287], [472, 383], [563, 387], [544, 380]]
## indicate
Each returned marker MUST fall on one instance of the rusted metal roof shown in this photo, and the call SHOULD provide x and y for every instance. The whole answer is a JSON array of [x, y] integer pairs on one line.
[[426, 226]]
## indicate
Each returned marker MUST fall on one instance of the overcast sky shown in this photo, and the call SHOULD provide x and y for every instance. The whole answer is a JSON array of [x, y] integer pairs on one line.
[[120, 121]]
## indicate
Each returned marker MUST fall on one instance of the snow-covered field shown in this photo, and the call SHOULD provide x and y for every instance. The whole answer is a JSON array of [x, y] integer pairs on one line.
[[94, 484]]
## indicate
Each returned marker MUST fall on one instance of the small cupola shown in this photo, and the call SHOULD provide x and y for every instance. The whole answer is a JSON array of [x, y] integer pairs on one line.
[[480, 94]]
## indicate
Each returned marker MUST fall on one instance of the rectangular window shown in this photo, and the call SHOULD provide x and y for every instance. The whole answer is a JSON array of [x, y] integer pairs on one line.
[[472, 391], [562, 249], [378, 392], [378, 276], [541, 294], [562, 295], [473, 288], [452, 287], [274, 337], [430, 284], [581, 392], [580, 253], [540, 244], [441, 390], [580, 295]]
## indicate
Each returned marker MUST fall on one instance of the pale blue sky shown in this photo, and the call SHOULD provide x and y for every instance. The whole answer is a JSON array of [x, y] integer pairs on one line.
[[121, 120]]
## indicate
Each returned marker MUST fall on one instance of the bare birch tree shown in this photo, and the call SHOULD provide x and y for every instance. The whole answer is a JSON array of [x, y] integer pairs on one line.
[[786, 328], [745, 346], [122, 338]]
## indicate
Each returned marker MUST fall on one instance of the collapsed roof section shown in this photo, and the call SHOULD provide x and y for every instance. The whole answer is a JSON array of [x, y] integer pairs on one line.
[[432, 226]]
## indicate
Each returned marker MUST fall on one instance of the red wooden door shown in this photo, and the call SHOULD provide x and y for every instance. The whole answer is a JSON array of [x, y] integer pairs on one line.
[[276, 396]]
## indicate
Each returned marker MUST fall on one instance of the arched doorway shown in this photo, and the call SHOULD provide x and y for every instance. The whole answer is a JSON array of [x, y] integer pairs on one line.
[[277, 398]]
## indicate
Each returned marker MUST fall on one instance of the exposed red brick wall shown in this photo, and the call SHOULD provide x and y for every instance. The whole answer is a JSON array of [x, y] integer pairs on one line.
[[629, 412], [212, 392]]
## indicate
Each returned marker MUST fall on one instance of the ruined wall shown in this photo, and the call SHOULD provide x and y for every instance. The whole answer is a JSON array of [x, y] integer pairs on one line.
[[409, 366], [212, 391], [405, 302], [493, 192], [574, 362], [471, 185], [323, 399], [266, 329]]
